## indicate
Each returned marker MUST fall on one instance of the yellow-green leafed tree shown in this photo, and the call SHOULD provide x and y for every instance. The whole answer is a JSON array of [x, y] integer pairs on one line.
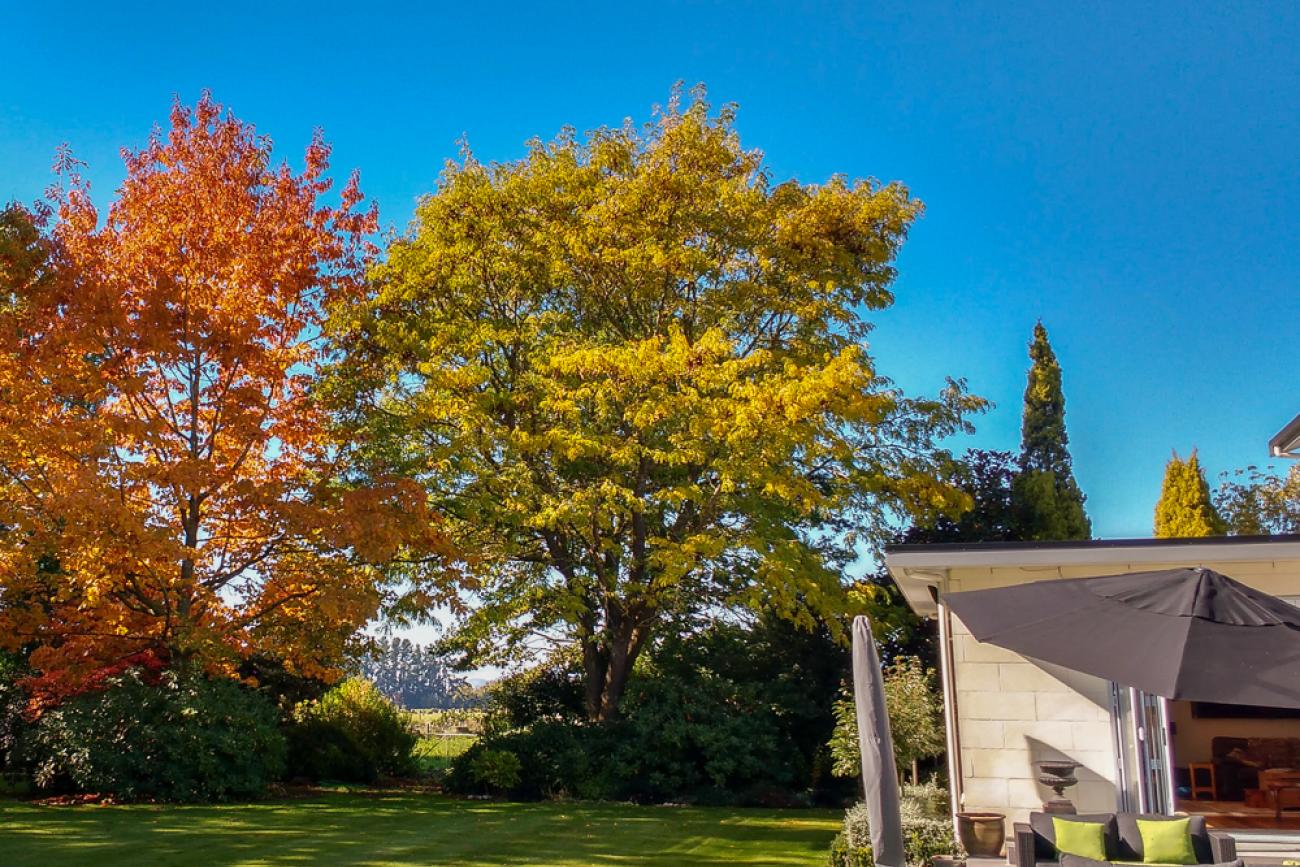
[[1185, 508], [631, 369]]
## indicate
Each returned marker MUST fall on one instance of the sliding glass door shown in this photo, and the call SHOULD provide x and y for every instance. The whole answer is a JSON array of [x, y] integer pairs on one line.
[[1144, 755]]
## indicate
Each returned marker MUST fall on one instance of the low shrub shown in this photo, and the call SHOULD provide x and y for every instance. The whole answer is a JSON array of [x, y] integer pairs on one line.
[[925, 839], [356, 734], [555, 759], [928, 800], [718, 713], [844, 855], [924, 836], [496, 771], [682, 737], [177, 737], [322, 750]]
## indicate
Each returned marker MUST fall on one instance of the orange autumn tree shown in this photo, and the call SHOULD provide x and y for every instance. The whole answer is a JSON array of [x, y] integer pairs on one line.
[[168, 485]]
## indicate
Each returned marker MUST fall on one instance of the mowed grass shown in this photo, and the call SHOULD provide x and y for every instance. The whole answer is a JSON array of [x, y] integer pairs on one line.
[[434, 754], [406, 829]]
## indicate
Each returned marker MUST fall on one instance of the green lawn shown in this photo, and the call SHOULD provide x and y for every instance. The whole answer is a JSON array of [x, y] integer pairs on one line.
[[402, 829], [435, 753]]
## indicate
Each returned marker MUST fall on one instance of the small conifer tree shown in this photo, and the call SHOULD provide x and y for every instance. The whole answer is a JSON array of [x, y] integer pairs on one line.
[[1185, 508]]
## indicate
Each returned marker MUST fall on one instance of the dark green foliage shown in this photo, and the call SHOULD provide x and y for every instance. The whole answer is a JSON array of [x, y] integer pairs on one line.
[[1050, 510], [321, 750], [987, 477], [672, 746], [367, 726], [1045, 494], [13, 668], [495, 770], [24, 253], [185, 737], [726, 714], [282, 687], [691, 735], [779, 670], [1044, 443], [548, 692], [568, 758]]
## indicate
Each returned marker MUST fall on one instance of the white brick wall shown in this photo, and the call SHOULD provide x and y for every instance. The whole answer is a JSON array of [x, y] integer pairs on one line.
[[1013, 712]]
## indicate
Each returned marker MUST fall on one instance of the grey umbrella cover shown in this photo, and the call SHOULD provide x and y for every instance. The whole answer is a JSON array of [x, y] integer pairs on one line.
[[879, 774], [1189, 634]]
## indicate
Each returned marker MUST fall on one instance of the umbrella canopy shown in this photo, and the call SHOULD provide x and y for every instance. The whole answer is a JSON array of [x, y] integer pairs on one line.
[[1188, 634], [879, 774]]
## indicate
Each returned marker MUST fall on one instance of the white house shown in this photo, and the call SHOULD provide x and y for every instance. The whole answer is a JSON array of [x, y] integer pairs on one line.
[[1005, 712]]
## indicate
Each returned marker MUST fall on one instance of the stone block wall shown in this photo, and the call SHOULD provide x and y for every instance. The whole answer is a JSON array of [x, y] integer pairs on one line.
[[1012, 712]]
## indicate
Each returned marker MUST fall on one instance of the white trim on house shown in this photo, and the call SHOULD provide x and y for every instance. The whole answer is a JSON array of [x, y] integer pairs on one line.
[[921, 571]]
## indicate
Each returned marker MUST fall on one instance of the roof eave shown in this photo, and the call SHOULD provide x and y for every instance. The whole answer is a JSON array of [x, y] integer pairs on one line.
[[1286, 442], [918, 568]]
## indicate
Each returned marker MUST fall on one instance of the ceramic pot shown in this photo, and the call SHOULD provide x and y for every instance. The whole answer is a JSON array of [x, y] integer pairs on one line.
[[982, 833]]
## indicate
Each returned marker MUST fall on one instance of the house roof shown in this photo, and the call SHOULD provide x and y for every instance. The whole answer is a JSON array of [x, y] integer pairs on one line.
[[1286, 442], [921, 570]]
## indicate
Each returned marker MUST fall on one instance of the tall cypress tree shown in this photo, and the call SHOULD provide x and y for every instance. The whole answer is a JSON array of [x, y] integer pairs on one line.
[[1045, 494], [1185, 508]]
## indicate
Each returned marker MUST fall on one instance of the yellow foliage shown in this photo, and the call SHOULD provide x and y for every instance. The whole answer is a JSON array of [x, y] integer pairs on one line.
[[634, 368]]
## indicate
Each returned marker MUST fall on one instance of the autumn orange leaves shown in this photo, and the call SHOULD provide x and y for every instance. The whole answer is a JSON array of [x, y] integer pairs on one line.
[[168, 479]]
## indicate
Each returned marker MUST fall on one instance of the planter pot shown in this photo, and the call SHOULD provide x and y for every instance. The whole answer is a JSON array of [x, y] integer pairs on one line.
[[982, 833]]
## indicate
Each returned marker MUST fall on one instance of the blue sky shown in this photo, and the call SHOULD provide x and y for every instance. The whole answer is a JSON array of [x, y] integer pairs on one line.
[[1127, 172]]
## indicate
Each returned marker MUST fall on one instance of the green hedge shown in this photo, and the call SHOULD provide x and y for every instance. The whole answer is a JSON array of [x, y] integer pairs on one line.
[[173, 737]]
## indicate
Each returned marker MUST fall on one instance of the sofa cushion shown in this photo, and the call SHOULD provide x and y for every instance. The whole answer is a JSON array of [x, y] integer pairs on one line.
[[1166, 842], [1087, 839], [1130, 838], [1045, 834]]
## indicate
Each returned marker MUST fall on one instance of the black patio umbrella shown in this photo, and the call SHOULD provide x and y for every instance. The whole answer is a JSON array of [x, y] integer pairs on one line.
[[1188, 634]]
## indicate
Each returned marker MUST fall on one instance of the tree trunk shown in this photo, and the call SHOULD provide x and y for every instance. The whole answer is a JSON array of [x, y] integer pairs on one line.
[[593, 667], [607, 665]]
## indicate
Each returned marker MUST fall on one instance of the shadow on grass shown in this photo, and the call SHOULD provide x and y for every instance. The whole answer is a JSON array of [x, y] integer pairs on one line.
[[349, 829]]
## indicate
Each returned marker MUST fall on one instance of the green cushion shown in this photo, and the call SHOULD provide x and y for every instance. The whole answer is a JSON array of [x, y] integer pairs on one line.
[[1166, 841], [1085, 839]]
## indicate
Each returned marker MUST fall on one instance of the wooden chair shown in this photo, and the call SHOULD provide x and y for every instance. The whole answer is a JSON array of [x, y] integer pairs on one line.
[[1198, 788]]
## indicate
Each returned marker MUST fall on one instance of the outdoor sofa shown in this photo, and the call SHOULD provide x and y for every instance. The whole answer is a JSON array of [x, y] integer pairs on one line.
[[1035, 840]]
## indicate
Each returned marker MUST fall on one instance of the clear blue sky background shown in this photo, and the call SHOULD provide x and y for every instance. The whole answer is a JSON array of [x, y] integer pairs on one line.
[[1128, 172]]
